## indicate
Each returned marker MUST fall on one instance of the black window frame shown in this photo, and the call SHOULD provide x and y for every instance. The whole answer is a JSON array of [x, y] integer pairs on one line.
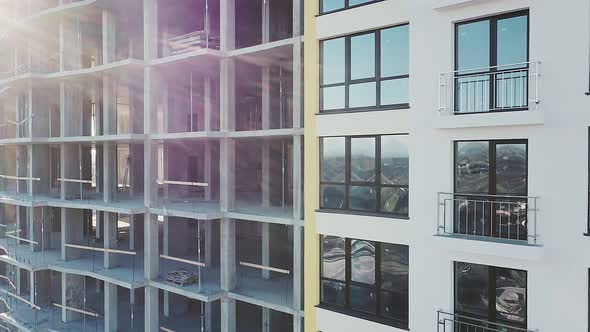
[[495, 199], [346, 6], [492, 312], [348, 183], [346, 309], [492, 166], [493, 52], [348, 81]]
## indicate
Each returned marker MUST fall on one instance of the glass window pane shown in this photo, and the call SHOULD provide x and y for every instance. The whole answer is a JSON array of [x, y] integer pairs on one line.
[[333, 63], [363, 198], [473, 45], [330, 5], [333, 159], [394, 267], [511, 169], [511, 301], [332, 196], [394, 92], [333, 98], [512, 41], [362, 56], [471, 287], [472, 167], [363, 298], [395, 200], [333, 293], [362, 94], [357, 2], [333, 257], [395, 305], [394, 159], [362, 159], [362, 261], [395, 51]]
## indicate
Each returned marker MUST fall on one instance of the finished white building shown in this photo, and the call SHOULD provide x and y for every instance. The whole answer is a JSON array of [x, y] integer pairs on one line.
[[449, 140]]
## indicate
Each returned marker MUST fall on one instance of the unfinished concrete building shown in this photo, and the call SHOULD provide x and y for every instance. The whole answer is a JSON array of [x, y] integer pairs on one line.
[[151, 165]]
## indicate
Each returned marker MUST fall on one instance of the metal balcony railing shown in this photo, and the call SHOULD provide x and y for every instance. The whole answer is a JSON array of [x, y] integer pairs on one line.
[[447, 322], [488, 216], [490, 89]]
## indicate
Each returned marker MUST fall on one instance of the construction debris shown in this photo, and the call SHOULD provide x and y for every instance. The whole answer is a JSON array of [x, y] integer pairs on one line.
[[181, 277]]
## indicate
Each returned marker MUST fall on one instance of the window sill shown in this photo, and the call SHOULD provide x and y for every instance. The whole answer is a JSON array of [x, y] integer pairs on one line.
[[370, 109], [360, 315], [363, 213], [349, 7]]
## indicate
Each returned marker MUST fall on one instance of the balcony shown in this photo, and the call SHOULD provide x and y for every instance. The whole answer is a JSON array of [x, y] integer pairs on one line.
[[447, 322], [488, 217], [502, 88]]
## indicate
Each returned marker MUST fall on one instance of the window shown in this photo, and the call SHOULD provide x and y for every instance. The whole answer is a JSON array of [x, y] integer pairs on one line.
[[366, 278], [365, 174], [491, 63], [328, 6], [365, 71], [491, 188], [493, 294]]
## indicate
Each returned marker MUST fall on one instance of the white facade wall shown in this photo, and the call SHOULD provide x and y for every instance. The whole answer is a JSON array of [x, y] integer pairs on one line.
[[557, 133]]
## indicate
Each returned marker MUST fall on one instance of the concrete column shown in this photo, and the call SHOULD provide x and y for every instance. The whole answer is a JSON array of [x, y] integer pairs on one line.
[[297, 83], [166, 251], [62, 45], [266, 319], [297, 178], [110, 307], [151, 252], [109, 40], [228, 315], [228, 273], [109, 167], [265, 230], [207, 169], [297, 274], [32, 286], [227, 174], [73, 296], [208, 316], [208, 105], [208, 242], [72, 231], [132, 233], [17, 280], [265, 22], [28, 124], [265, 153], [110, 238], [152, 311], [30, 227], [297, 17], [109, 104]]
